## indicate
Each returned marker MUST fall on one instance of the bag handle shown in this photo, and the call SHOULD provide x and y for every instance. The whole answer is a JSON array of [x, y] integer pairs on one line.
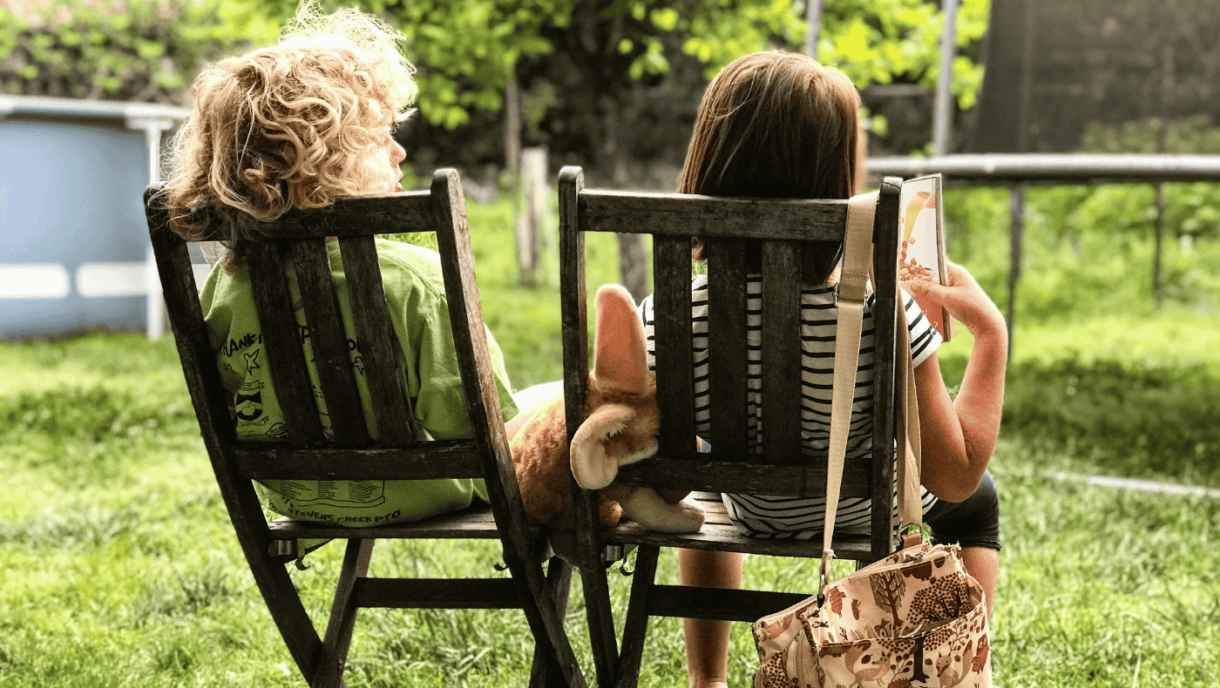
[[853, 281]]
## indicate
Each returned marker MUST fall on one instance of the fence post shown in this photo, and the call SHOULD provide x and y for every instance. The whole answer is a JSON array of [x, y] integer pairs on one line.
[[1014, 267], [942, 115], [532, 211], [813, 26], [153, 128]]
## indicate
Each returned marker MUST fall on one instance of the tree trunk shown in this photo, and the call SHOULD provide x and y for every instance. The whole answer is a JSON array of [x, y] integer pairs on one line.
[[526, 272]]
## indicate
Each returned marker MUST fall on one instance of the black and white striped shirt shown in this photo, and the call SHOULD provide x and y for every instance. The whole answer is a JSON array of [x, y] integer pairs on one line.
[[796, 517]]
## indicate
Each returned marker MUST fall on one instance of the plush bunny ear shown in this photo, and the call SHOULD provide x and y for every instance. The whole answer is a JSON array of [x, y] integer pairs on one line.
[[591, 467], [620, 355]]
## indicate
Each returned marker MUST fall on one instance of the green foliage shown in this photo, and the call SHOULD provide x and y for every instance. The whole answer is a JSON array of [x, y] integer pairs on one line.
[[136, 49], [467, 49], [1090, 250], [1134, 418], [876, 43]]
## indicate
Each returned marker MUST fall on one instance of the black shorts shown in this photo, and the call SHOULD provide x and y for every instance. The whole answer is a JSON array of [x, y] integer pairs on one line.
[[972, 523]]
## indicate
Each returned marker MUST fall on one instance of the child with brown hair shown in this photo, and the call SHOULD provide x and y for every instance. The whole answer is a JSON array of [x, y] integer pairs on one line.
[[298, 125], [780, 125]]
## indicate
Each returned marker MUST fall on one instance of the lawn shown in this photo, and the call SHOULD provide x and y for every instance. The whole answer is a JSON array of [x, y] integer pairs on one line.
[[119, 567]]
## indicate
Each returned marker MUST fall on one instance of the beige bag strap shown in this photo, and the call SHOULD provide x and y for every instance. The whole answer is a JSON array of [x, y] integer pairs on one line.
[[853, 281], [910, 453]]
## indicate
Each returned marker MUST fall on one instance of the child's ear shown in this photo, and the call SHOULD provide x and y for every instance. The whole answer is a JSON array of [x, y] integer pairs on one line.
[[591, 467], [620, 354]]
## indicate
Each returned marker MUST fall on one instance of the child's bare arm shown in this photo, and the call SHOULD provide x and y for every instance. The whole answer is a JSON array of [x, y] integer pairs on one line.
[[959, 436]]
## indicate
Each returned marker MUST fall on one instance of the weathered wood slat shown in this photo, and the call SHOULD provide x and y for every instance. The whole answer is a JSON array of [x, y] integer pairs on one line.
[[727, 538], [398, 213], [727, 348], [573, 300], [469, 333], [453, 459], [486, 422], [691, 215], [281, 340], [559, 580], [721, 603], [885, 314], [328, 338], [672, 332], [473, 523], [338, 638], [450, 593], [190, 332], [573, 304], [781, 358], [744, 478], [379, 351], [635, 626], [211, 405]]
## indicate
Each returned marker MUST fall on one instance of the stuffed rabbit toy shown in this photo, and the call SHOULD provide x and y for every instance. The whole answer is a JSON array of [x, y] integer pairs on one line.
[[620, 427]]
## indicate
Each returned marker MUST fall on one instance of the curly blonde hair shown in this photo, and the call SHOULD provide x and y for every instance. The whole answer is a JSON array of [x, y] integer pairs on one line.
[[289, 126]]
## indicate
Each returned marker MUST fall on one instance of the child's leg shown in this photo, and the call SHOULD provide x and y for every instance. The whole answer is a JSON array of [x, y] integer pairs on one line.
[[531, 400], [975, 525], [984, 564], [707, 641]]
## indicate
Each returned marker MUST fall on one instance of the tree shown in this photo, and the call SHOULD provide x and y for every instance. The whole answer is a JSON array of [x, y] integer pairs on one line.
[[467, 49]]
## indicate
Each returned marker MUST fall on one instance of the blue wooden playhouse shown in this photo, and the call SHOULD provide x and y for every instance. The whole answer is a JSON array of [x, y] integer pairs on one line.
[[73, 240]]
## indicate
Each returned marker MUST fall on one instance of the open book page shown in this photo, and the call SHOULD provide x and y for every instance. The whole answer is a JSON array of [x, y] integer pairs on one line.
[[922, 256]]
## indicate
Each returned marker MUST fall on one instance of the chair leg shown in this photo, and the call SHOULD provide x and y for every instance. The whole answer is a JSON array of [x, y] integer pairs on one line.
[[635, 628], [559, 580], [333, 656], [283, 600], [546, 622]]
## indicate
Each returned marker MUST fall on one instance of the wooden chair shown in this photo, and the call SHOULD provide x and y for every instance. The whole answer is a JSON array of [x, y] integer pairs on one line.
[[299, 239], [780, 226]]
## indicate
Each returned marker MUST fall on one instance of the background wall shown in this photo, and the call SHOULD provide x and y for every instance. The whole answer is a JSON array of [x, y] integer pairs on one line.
[[1054, 68]]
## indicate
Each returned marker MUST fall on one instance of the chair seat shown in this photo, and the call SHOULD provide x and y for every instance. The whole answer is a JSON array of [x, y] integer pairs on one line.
[[474, 522], [719, 533]]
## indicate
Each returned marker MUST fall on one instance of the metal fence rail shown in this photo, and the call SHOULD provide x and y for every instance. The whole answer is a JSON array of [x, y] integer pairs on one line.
[[1019, 171], [1004, 169]]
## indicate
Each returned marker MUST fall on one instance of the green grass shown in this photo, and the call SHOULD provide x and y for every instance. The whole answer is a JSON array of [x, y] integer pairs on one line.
[[118, 566]]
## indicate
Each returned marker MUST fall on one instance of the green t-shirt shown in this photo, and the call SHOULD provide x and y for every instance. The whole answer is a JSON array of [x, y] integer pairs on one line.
[[415, 292]]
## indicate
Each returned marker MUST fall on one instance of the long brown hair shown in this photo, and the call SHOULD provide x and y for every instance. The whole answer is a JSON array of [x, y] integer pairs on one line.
[[776, 125]]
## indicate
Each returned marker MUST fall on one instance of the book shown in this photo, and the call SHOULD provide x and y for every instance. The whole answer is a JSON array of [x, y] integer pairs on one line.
[[922, 250]]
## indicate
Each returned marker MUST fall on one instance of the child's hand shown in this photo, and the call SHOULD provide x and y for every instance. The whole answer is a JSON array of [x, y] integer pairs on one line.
[[965, 300]]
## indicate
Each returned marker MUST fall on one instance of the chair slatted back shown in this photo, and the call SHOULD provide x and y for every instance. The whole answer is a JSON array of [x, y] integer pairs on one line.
[[727, 226], [294, 249]]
